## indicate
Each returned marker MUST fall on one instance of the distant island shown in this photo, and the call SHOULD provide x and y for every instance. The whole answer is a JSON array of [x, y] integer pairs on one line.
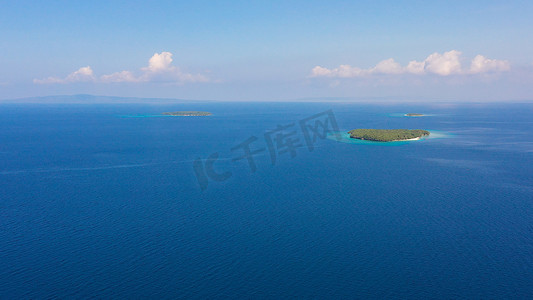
[[188, 113], [414, 115], [388, 135]]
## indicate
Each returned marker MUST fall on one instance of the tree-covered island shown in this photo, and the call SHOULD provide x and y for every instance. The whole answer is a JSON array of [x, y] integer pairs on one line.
[[414, 115], [188, 113], [387, 135]]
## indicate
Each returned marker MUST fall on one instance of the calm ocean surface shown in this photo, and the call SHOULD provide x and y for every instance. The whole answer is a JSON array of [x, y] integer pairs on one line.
[[102, 201]]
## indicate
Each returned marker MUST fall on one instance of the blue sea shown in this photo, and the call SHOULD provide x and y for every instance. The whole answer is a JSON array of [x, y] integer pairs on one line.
[[117, 201]]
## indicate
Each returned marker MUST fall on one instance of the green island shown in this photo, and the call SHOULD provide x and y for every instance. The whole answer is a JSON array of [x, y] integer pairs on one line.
[[414, 115], [388, 135], [188, 113]]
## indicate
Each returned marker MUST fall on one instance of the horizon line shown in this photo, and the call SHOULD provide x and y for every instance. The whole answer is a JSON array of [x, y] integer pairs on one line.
[[90, 98]]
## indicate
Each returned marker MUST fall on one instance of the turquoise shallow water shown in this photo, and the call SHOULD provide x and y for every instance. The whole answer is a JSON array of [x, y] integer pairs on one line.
[[94, 204]]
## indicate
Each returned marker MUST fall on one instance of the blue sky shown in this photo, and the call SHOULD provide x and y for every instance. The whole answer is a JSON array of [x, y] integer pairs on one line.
[[268, 50]]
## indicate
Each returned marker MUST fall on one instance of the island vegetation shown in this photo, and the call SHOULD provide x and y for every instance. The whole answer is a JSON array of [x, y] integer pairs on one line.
[[387, 135], [188, 113], [414, 115]]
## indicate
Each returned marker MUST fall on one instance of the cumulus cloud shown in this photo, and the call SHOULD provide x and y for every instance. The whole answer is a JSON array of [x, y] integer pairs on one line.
[[388, 66], [321, 71], [160, 63], [481, 64], [159, 69], [83, 74], [415, 67], [445, 64]]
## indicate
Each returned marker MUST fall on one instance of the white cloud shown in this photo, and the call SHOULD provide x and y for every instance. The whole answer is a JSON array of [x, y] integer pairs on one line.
[[388, 66], [160, 63], [321, 71], [348, 71], [83, 74], [445, 64], [159, 69], [415, 67], [481, 64]]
